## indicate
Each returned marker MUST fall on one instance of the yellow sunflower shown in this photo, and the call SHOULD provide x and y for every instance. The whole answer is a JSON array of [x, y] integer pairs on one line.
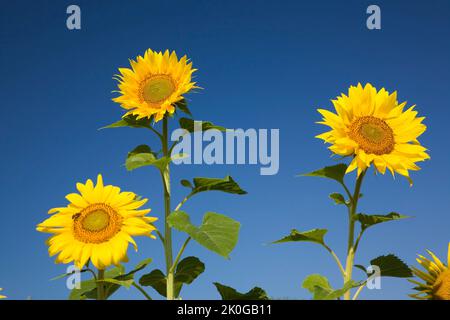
[[97, 225], [154, 83], [374, 128], [2, 297], [436, 277]]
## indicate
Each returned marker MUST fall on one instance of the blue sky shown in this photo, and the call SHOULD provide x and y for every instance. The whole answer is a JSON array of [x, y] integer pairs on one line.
[[262, 64]]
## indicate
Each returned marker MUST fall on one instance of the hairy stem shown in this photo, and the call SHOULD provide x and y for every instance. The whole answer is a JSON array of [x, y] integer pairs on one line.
[[351, 233], [167, 230]]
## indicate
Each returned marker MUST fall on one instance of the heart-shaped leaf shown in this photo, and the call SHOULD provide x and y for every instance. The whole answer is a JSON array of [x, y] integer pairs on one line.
[[217, 232]]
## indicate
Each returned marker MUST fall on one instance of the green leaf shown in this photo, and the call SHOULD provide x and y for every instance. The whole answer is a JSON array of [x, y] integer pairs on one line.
[[226, 184], [314, 235], [61, 276], [186, 183], [140, 156], [318, 285], [392, 266], [360, 267], [141, 265], [228, 293], [130, 121], [217, 232], [370, 220], [336, 172], [155, 279], [189, 269], [182, 106], [186, 272], [338, 198], [88, 288], [114, 279], [125, 283], [189, 125], [321, 289], [340, 292], [143, 156]]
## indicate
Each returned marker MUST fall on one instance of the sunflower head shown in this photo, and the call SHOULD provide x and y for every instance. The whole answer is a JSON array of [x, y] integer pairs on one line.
[[2, 297], [436, 277], [96, 225], [373, 128], [154, 83]]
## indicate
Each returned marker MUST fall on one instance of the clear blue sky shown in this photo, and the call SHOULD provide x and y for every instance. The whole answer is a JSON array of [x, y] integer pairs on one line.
[[263, 64]]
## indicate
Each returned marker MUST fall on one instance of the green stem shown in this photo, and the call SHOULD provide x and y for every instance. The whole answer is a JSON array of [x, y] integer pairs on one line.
[[101, 285], [168, 231], [142, 291], [180, 253], [359, 291], [178, 207], [335, 257], [351, 233], [358, 239]]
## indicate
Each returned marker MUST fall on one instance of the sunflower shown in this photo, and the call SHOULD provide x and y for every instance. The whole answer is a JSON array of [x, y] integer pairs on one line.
[[436, 277], [2, 297], [97, 225], [374, 128], [154, 83]]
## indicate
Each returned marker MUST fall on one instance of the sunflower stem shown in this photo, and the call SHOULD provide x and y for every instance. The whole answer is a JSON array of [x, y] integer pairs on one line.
[[101, 285], [141, 290], [351, 233], [180, 253], [168, 231]]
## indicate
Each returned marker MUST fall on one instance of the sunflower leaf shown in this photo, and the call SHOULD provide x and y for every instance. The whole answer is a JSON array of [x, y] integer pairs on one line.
[[336, 172], [142, 156], [217, 232], [367, 220], [338, 198], [182, 106], [314, 281], [88, 288], [194, 125], [391, 266], [321, 289], [61, 276], [226, 184], [124, 283], [186, 272], [228, 293], [155, 279], [314, 235], [130, 121], [186, 183], [114, 279], [141, 265], [189, 269]]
